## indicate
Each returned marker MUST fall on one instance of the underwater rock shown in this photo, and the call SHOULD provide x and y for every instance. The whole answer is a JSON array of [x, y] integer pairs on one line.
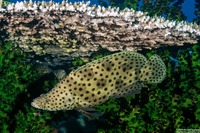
[[114, 76]]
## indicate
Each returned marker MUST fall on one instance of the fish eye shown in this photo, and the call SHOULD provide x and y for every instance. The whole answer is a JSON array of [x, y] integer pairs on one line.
[[44, 100]]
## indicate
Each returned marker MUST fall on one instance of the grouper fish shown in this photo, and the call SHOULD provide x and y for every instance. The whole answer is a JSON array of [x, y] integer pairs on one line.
[[114, 76], [42, 70]]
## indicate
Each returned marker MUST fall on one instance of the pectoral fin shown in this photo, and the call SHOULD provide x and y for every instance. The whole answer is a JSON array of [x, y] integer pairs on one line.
[[91, 113]]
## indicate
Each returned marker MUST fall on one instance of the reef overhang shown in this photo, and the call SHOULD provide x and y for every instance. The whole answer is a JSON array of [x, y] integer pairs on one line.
[[79, 29]]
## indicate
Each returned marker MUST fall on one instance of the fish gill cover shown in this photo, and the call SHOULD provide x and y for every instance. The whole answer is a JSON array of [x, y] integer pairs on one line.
[[165, 107]]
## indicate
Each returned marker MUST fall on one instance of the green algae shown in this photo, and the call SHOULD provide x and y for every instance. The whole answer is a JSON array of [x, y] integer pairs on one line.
[[173, 104]]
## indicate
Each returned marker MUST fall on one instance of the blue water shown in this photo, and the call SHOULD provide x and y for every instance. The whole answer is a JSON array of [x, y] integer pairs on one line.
[[188, 8]]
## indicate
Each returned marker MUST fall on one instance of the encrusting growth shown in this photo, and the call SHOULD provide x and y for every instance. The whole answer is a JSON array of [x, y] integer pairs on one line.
[[79, 29]]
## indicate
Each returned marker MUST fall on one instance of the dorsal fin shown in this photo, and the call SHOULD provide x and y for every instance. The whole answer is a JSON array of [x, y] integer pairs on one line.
[[134, 55]]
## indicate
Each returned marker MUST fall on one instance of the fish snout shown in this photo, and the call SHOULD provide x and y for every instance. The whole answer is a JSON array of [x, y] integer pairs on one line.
[[38, 103], [35, 103]]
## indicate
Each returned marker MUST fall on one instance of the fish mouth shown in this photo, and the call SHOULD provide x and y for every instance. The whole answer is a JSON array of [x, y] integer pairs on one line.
[[34, 104]]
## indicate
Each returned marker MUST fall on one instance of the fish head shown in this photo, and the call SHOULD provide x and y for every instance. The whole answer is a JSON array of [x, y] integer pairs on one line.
[[54, 101], [39, 102]]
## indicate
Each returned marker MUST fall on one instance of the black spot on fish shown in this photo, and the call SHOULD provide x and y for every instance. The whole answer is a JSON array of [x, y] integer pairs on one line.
[[117, 82], [98, 84], [108, 68]]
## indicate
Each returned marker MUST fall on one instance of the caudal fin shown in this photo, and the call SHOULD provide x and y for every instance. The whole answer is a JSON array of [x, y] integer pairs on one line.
[[154, 71]]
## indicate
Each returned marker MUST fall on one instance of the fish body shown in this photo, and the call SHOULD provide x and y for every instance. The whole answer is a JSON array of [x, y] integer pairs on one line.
[[114, 76]]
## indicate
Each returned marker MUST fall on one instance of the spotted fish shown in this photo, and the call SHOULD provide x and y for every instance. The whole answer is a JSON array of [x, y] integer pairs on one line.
[[114, 76], [42, 70]]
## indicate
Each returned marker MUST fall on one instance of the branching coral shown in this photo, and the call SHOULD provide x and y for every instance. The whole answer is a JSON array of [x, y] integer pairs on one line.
[[66, 29]]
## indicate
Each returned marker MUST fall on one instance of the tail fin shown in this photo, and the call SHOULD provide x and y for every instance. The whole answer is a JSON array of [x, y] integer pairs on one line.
[[154, 71]]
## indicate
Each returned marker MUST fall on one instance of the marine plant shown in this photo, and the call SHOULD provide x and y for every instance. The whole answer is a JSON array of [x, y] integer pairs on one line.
[[16, 113], [6, 1], [14, 79], [197, 12], [164, 107], [78, 62], [173, 104], [169, 8]]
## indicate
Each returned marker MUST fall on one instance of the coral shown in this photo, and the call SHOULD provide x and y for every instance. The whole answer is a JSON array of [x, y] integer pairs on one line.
[[78, 29], [94, 56], [158, 108]]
